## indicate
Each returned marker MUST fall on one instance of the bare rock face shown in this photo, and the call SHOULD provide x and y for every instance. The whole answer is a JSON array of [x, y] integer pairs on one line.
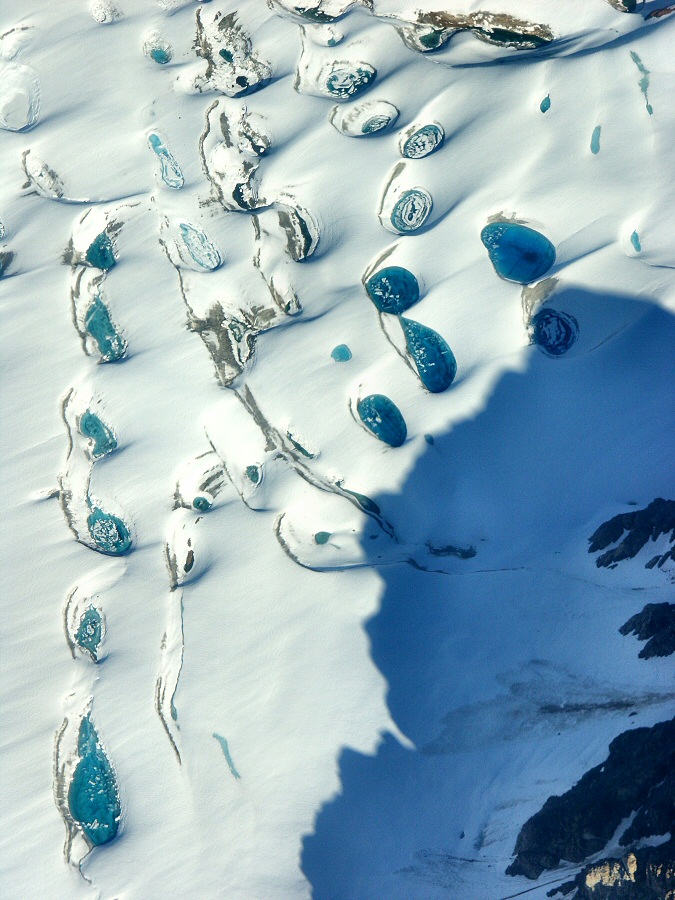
[[656, 625], [628, 6], [645, 874], [631, 531], [636, 776]]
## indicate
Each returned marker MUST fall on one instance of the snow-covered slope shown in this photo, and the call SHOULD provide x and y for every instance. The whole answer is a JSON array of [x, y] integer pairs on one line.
[[317, 663]]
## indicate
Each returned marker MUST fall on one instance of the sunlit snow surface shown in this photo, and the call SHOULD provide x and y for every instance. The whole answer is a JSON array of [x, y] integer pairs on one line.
[[300, 660]]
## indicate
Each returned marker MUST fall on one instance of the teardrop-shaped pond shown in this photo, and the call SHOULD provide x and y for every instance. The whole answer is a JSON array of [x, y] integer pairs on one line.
[[93, 798], [518, 253], [383, 418], [433, 358]]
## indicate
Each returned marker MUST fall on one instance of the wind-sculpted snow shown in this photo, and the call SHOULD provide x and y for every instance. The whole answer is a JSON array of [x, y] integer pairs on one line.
[[306, 435]]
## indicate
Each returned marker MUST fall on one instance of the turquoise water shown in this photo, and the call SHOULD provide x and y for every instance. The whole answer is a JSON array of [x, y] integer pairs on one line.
[[554, 332], [433, 358], [200, 247], [108, 532], [254, 474], [635, 241], [545, 104], [100, 252], [99, 325], [93, 798], [383, 418], [203, 504], [161, 55], [595, 139], [393, 289], [172, 175], [90, 631], [341, 353], [322, 537], [517, 252], [226, 753], [92, 427], [423, 142], [644, 81], [411, 210], [345, 82]]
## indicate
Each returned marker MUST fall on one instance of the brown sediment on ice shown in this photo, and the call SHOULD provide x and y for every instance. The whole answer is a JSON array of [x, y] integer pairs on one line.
[[430, 31]]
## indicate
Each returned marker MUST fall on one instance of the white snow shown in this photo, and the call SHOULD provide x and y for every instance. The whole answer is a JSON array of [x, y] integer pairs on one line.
[[375, 713]]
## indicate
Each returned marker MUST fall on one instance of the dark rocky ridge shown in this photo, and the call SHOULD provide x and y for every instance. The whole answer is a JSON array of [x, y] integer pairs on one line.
[[651, 522], [637, 776], [656, 625]]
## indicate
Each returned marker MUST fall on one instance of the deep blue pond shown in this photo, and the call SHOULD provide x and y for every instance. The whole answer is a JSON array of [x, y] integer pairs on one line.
[[554, 332], [383, 418], [433, 358], [518, 253], [393, 289]]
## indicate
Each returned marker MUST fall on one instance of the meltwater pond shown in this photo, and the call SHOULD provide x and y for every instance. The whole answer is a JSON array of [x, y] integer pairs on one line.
[[99, 325], [344, 81], [383, 418], [172, 176], [108, 532], [393, 289], [554, 332], [418, 142], [90, 631], [93, 798], [433, 358], [341, 353], [518, 253], [411, 210], [92, 427], [100, 252], [200, 247]]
